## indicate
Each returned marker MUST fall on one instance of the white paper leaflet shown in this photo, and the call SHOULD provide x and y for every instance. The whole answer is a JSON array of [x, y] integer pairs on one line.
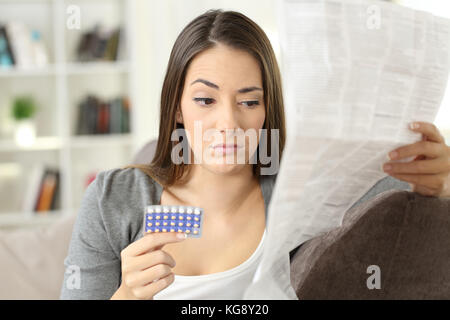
[[355, 74]]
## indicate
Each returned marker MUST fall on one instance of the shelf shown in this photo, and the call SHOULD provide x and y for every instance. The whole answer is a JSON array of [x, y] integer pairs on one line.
[[100, 140], [55, 143], [41, 143], [100, 67], [13, 72], [71, 68], [59, 87], [29, 219]]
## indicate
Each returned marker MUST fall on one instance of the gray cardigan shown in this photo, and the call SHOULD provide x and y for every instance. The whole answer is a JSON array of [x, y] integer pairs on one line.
[[110, 218]]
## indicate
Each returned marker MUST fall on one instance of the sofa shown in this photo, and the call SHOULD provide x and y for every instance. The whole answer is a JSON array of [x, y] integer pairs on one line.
[[395, 245], [399, 236]]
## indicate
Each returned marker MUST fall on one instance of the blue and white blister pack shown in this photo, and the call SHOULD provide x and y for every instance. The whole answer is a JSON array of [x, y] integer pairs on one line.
[[175, 218]]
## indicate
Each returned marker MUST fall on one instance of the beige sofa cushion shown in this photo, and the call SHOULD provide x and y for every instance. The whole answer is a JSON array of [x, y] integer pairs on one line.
[[32, 261]]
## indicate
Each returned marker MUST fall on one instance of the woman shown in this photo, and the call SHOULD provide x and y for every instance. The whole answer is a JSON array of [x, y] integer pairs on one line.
[[222, 73]]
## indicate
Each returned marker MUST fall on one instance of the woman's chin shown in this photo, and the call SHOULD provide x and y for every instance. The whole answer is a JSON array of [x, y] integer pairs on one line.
[[224, 168], [225, 164]]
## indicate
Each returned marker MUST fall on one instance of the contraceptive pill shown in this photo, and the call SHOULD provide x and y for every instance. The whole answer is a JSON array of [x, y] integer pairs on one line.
[[174, 218]]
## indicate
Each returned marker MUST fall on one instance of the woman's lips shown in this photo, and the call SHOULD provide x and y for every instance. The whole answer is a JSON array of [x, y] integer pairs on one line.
[[226, 148]]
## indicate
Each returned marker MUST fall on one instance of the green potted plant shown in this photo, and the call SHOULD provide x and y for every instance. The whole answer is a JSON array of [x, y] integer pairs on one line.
[[23, 111]]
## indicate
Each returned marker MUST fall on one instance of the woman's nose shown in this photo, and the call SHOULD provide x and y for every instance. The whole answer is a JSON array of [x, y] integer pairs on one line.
[[227, 118]]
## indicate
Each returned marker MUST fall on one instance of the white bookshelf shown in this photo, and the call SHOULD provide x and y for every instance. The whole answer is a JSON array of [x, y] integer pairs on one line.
[[57, 90]]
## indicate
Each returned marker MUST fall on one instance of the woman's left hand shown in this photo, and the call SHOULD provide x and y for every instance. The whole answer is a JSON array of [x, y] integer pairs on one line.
[[429, 172]]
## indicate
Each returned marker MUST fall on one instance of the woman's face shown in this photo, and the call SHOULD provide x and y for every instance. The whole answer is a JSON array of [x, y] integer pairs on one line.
[[223, 104]]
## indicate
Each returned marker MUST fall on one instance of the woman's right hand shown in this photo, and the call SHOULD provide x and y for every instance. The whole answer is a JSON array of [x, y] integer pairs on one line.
[[146, 269]]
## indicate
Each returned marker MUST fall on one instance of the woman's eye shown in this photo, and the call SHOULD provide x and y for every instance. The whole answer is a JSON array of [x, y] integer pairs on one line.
[[251, 104], [207, 101]]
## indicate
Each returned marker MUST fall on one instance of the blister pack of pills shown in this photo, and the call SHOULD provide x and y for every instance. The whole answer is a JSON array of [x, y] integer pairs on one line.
[[176, 218]]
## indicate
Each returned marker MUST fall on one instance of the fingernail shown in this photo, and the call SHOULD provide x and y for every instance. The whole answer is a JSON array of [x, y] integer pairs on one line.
[[181, 235], [387, 167], [414, 125], [393, 154]]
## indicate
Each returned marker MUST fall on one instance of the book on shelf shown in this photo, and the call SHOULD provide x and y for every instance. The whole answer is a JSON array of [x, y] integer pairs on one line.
[[89, 178], [96, 116], [43, 189], [21, 47], [99, 44], [6, 54], [125, 124], [112, 46]]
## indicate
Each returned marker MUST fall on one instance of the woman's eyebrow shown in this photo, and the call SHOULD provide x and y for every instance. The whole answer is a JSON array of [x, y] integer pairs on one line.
[[215, 86]]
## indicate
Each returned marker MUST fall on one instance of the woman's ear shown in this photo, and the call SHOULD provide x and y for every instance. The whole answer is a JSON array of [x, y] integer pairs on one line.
[[179, 117]]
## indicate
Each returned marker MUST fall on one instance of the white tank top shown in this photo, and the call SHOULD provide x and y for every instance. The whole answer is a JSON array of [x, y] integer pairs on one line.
[[225, 285]]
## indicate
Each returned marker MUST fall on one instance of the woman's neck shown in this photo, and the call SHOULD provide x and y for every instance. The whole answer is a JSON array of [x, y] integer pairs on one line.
[[221, 194]]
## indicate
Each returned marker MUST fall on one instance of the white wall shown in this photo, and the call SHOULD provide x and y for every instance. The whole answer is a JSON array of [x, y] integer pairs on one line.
[[439, 8]]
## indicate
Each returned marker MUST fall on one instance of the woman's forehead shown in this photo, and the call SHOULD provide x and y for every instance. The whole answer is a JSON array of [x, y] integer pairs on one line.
[[224, 66]]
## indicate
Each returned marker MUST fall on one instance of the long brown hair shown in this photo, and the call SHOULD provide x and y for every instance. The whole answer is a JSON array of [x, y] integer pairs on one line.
[[239, 32]]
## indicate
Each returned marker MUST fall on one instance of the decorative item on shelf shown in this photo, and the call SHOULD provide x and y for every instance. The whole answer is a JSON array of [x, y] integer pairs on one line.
[[39, 50], [21, 47], [23, 110]]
